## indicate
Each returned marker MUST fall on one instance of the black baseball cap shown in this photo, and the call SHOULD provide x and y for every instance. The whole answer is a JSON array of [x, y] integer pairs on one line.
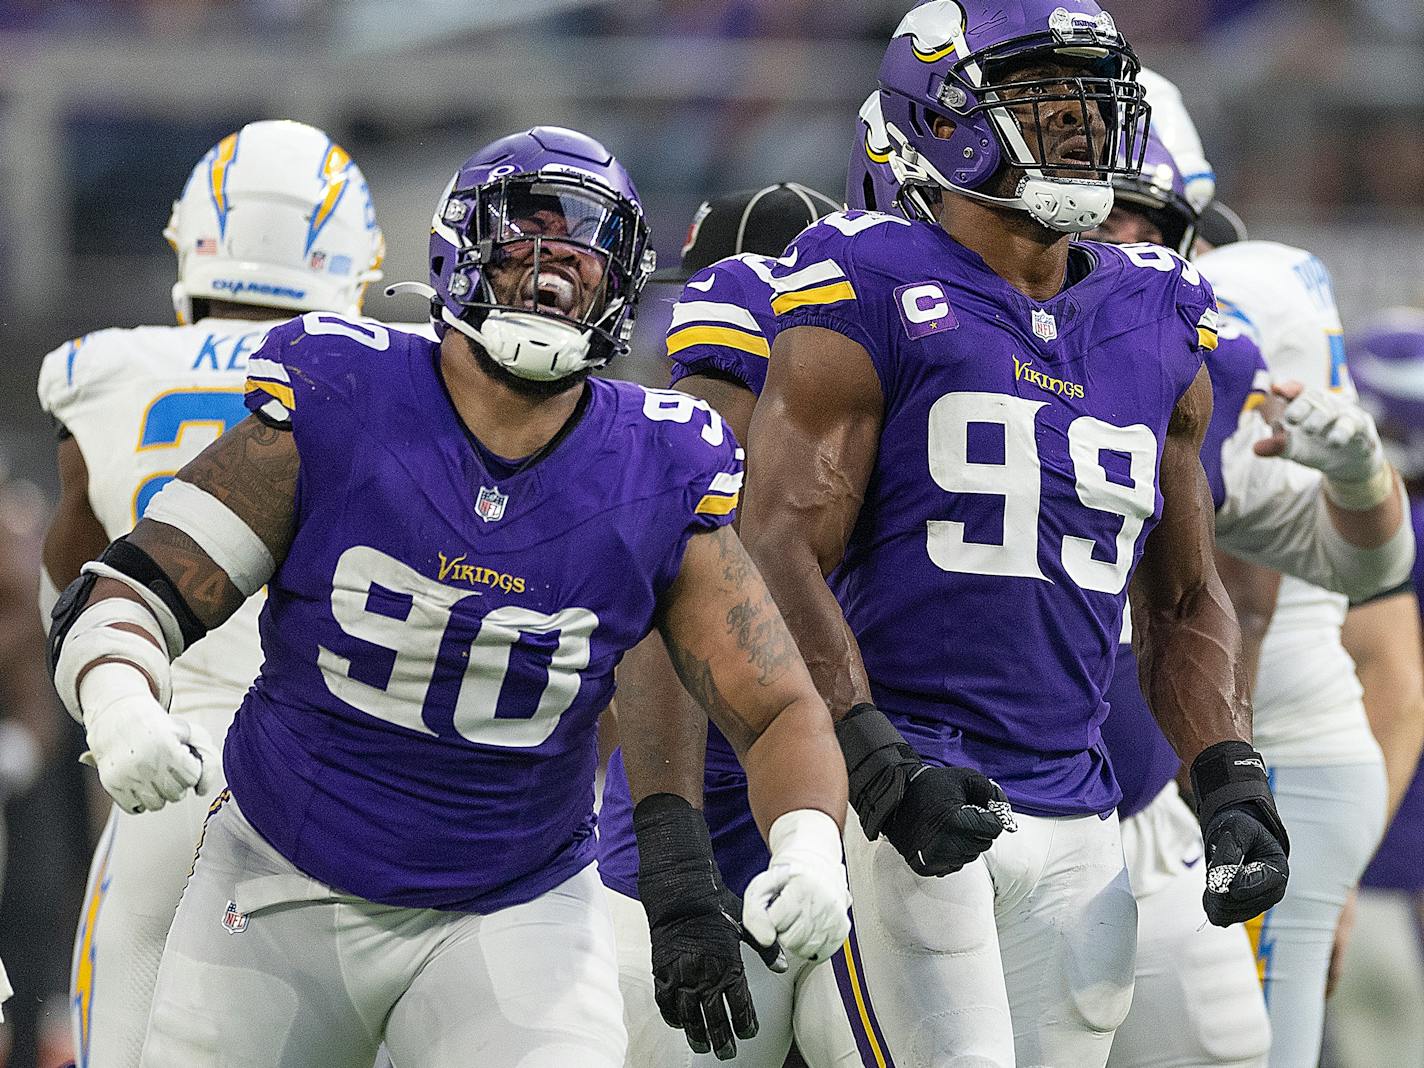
[[761, 221]]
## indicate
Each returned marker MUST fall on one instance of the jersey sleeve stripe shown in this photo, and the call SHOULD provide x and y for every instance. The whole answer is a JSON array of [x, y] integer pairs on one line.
[[726, 482], [1206, 338], [685, 313], [257, 367], [717, 504], [830, 294], [818, 274], [273, 389], [718, 335]]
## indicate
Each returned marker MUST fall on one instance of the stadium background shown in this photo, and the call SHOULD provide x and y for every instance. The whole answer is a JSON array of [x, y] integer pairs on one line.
[[1311, 110]]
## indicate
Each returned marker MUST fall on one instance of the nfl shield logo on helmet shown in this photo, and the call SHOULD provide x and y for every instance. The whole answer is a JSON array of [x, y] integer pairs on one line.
[[234, 922], [1044, 325], [489, 506]]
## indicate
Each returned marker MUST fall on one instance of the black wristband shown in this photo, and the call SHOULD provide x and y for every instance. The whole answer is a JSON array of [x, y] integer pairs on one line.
[[676, 868], [1232, 773], [879, 764]]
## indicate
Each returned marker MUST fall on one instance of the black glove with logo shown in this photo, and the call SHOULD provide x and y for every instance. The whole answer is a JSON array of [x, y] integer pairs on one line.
[[1246, 843], [696, 929], [939, 819]]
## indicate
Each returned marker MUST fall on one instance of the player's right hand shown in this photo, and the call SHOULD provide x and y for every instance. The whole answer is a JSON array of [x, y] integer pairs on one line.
[[938, 818], [145, 757], [699, 982]]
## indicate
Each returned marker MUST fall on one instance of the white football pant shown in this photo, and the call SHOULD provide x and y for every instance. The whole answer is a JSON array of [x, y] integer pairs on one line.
[[1023, 959], [1197, 1001], [267, 968]]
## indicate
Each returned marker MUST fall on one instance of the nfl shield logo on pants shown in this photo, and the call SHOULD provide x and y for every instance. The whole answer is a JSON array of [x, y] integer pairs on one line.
[[1044, 325], [234, 922], [489, 506]]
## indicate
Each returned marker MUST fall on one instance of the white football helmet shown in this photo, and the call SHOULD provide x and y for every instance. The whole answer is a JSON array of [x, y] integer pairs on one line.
[[1173, 125], [276, 215]]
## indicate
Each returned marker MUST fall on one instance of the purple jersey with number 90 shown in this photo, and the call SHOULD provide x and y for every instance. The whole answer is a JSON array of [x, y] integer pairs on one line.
[[439, 639], [1014, 486]]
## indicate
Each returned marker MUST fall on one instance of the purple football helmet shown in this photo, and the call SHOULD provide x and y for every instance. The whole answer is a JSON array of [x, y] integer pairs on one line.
[[1387, 365], [1159, 192], [538, 251], [870, 185], [959, 60]]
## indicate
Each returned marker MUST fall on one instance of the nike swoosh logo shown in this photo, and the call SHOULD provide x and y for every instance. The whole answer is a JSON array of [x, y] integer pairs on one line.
[[1193, 862], [703, 286]]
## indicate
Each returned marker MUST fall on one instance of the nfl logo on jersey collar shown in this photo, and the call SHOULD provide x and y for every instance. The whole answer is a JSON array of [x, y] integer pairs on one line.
[[490, 504], [1045, 326]]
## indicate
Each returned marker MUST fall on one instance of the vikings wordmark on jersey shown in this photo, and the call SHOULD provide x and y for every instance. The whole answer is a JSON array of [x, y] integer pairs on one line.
[[1014, 487], [415, 706]]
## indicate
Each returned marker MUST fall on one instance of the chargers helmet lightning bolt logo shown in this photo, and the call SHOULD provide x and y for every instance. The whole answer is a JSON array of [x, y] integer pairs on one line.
[[332, 174]]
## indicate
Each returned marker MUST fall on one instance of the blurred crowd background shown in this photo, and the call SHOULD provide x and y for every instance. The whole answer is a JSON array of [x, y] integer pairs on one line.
[[1311, 110]]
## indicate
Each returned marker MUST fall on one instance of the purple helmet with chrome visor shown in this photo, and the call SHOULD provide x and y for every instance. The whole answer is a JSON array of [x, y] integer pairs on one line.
[[1044, 88], [1160, 193], [538, 251], [1387, 366], [870, 186]]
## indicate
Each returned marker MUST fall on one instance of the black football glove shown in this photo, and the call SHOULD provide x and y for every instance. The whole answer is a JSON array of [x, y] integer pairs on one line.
[[1246, 843], [939, 819], [695, 925]]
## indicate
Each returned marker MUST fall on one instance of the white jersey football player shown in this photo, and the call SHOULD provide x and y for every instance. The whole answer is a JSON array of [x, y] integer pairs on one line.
[[276, 219], [1281, 298]]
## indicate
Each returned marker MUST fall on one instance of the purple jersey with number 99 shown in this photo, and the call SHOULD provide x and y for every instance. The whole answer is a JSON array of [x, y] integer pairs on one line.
[[441, 638], [1014, 486]]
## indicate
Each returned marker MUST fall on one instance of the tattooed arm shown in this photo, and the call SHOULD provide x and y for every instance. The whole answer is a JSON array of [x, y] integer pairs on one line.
[[253, 470], [734, 655]]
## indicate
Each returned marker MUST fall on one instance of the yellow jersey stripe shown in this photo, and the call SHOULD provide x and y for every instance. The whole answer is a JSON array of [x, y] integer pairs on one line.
[[716, 504], [820, 295], [725, 336], [1207, 339], [1254, 401], [274, 389]]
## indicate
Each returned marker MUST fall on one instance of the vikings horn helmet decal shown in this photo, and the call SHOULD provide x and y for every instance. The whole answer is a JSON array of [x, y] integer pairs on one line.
[[960, 60], [538, 251]]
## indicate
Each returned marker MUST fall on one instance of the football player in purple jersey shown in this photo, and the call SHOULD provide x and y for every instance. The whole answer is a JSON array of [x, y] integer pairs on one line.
[[972, 430], [459, 540]]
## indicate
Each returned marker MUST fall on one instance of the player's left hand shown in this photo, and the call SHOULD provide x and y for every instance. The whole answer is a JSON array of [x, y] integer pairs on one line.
[[1327, 431], [1246, 843], [802, 899], [699, 982]]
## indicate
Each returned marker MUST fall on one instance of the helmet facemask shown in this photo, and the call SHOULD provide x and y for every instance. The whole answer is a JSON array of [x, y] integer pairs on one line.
[[549, 269]]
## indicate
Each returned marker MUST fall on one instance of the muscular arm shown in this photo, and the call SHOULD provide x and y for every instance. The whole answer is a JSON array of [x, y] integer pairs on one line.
[[1253, 590], [1184, 629], [253, 470], [734, 655], [812, 446], [649, 693], [1383, 639]]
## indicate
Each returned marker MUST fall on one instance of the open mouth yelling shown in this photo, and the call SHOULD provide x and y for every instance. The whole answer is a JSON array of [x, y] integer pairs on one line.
[[554, 289]]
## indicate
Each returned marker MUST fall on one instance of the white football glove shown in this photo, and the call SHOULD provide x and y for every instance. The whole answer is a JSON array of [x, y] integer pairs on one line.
[[1331, 433], [802, 898], [145, 757]]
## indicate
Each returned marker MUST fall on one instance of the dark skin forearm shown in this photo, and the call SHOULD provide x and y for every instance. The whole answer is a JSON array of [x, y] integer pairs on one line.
[[1253, 591], [813, 442], [1184, 629]]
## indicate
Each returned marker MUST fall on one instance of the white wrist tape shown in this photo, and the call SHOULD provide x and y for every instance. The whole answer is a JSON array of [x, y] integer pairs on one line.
[[94, 637], [806, 830], [228, 541], [105, 684], [1361, 496]]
